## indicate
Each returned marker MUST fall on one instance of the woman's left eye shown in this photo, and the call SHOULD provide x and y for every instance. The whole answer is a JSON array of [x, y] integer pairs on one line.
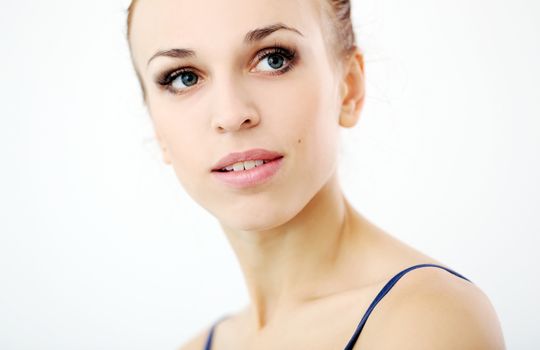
[[276, 58]]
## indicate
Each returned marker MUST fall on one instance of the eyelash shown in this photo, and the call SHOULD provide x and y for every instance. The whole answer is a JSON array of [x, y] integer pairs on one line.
[[167, 78]]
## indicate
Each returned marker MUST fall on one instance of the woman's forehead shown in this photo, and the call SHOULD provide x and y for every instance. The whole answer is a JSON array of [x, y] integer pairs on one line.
[[160, 24]]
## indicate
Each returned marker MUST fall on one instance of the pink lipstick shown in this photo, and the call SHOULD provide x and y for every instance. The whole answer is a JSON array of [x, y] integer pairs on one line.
[[247, 169]]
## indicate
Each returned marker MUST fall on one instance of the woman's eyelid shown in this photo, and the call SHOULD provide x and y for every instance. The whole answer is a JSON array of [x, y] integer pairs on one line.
[[273, 47], [173, 73], [257, 56]]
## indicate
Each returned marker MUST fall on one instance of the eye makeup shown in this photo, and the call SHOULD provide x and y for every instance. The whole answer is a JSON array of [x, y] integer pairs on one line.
[[166, 79]]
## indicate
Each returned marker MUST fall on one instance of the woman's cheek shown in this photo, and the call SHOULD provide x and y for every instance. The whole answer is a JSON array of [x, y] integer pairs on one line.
[[181, 140], [305, 110]]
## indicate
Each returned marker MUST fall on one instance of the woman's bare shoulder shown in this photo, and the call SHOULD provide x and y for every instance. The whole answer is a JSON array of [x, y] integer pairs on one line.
[[197, 342], [430, 308]]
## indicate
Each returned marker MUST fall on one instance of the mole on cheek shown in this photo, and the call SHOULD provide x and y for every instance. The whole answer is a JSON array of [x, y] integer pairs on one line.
[[299, 140]]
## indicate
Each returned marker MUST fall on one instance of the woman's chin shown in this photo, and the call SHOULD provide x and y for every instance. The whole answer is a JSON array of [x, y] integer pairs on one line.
[[255, 222]]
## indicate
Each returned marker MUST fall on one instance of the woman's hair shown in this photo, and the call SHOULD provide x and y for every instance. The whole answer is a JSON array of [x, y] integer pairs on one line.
[[337, 13]]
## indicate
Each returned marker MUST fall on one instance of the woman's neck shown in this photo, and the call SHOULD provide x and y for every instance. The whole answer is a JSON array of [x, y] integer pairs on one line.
[[290, 264]]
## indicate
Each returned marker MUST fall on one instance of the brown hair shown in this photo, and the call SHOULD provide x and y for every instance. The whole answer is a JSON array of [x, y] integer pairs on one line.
[[341, 38]]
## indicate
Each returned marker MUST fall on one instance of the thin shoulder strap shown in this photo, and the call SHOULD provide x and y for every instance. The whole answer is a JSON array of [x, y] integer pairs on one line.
[[208, 345], [382, 293]]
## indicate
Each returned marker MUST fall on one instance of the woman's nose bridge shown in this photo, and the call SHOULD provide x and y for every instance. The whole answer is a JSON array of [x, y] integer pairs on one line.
[[232, 103]]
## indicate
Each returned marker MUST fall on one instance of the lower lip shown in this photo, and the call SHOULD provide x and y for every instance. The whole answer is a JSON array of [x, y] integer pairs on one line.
[[251, 177]]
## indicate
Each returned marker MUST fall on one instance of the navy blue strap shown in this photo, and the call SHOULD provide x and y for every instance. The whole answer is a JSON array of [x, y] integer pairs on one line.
[[208, 345], [382, 293]]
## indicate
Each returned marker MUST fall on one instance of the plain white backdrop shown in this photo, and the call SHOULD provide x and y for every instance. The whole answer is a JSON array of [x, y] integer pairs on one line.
[[100, 247]]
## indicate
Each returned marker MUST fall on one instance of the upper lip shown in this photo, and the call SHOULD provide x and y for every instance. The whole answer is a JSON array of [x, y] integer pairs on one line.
[[252, 154]]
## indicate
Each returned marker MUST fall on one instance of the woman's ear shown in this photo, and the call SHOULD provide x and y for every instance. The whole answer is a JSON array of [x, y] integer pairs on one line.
[[352, 90], [163, 147]]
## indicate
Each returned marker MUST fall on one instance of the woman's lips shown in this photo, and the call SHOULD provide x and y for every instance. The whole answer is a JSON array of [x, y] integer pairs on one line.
[[252, 177], [252, 154]]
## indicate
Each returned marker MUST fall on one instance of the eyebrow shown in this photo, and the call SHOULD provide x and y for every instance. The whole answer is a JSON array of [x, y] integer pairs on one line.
[[250, 37]]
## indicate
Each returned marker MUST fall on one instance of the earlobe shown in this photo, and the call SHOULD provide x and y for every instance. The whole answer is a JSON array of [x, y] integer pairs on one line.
[[352, 89], [348, 118]]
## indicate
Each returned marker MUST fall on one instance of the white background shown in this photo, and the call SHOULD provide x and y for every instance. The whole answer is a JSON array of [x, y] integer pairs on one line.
[[100, 247]]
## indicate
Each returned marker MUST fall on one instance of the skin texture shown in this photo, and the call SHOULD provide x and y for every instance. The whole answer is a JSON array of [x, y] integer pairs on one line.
[[309, 259]]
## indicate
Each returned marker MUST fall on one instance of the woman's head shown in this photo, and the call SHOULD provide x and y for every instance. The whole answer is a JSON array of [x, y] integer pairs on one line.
[[229, 76]]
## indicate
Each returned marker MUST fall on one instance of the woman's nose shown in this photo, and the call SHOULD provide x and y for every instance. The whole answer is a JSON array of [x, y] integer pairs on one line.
[[232, 109]]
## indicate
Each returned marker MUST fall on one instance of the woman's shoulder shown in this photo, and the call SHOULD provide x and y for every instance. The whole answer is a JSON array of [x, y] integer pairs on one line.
[[227, 327], [433, 308], [196, 342]]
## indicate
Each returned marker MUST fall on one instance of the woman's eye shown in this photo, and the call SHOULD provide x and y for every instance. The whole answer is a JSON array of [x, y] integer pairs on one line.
[[178, 80], [184, 80], [275, 60]]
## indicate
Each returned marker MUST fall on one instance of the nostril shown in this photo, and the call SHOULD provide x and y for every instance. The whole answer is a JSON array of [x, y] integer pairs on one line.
[[229, 124]]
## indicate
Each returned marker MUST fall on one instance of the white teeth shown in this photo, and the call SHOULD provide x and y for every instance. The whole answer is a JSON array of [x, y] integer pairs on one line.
[[249, 164], [238, 166]]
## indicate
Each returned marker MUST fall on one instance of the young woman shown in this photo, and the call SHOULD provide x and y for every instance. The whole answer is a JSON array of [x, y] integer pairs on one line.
[[247, 98]]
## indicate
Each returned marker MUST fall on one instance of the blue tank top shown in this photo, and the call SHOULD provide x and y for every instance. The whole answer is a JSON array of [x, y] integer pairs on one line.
[[378, 298]]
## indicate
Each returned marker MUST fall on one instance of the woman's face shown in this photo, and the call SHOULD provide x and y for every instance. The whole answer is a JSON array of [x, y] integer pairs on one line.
[[237, 93]]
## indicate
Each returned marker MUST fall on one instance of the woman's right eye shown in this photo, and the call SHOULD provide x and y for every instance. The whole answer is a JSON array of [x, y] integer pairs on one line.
[[179, 80]]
